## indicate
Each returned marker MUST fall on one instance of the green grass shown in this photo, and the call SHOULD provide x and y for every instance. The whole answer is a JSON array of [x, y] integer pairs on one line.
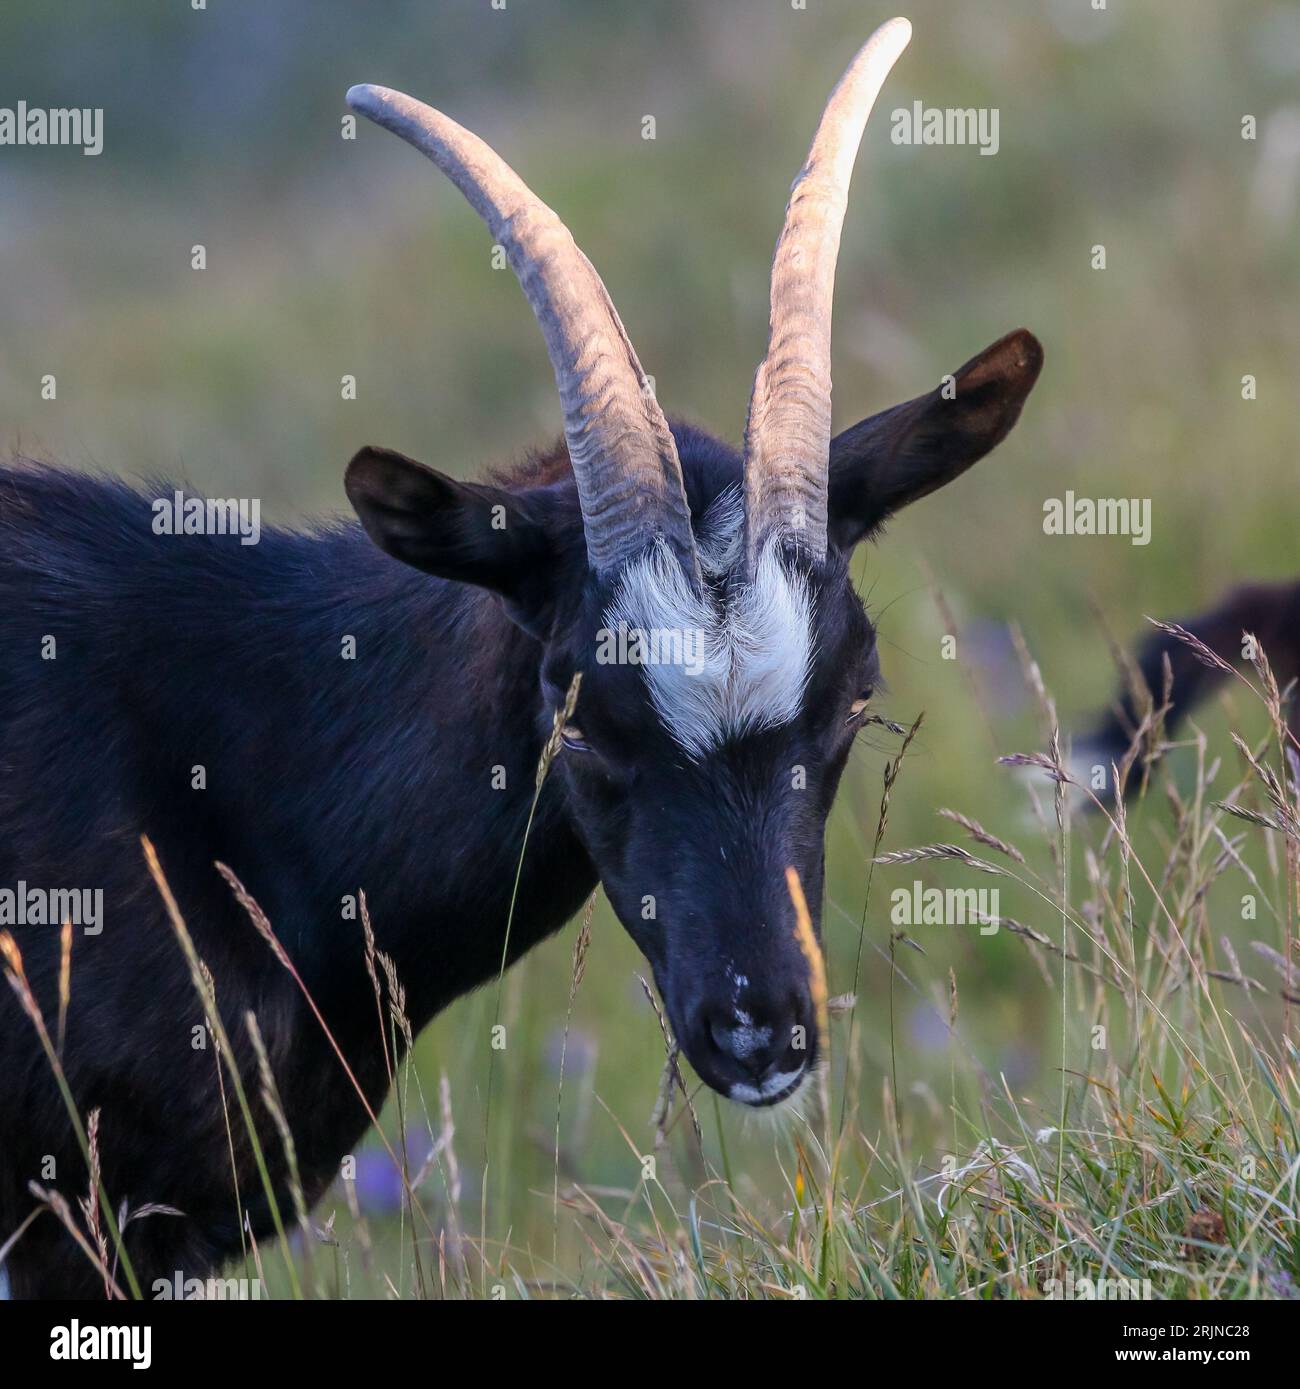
[[1158, 1147]]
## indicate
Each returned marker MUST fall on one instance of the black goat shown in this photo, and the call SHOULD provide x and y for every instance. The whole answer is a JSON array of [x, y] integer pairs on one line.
[[1168, 672], [323, 720]]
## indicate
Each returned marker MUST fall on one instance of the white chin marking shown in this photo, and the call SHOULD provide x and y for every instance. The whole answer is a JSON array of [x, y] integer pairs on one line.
[[773, 1085], [751, 649]]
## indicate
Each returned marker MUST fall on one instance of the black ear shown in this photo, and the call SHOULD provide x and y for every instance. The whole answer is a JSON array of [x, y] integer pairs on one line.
[[469, 532], [893, 458]]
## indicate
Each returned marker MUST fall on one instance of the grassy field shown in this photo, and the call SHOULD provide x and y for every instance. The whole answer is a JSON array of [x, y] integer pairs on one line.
[[1106, 1085]]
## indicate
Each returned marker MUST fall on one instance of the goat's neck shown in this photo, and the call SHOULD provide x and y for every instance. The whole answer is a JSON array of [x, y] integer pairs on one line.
[[437, 834]]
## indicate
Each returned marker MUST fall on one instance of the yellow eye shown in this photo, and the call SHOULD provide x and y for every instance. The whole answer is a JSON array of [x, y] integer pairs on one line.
[[859, 706]]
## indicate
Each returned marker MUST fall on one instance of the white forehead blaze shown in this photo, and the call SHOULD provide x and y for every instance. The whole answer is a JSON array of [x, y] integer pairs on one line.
[[746, 657]]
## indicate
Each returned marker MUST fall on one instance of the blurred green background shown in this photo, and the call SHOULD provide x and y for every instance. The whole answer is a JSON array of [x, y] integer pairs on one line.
[[325, 257]]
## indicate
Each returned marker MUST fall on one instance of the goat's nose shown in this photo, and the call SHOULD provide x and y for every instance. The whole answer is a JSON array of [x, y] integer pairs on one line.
[[759, 1054], [739, 1037]]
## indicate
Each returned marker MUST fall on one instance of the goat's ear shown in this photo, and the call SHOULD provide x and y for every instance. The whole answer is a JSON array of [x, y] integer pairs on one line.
[[465, 531], [893, 458]]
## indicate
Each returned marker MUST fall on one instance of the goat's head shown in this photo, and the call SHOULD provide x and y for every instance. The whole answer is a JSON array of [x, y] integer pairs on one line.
[[726, 660]]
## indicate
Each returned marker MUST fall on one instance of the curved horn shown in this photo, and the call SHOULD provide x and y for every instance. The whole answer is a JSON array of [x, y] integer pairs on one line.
[[788, 433], [624, 457]]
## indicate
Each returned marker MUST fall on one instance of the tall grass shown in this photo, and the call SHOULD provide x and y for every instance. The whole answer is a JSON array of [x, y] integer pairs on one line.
[[1166, 1151]]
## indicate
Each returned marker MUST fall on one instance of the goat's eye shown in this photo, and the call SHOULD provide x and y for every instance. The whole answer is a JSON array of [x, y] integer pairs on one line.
[[571, 737], [859, 705]]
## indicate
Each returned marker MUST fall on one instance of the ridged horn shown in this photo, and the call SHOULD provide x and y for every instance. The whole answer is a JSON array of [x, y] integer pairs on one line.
[[788, 432], [624, 456]]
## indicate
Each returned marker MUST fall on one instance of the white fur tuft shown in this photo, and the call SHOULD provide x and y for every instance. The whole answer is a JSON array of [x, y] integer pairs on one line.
[[755, 644]]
